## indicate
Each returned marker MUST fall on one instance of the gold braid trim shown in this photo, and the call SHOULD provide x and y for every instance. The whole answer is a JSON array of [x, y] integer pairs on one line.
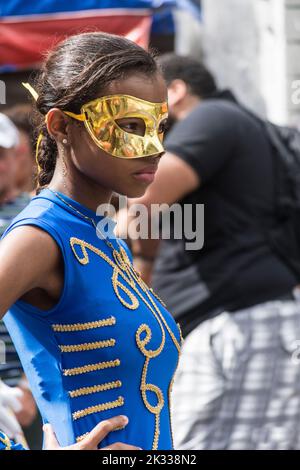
[[181, 337], [117, 285], [83, 436], [95, 388], [152, 306], [84, 245], [158, 298], [122, 267], [157, 432], [6, 441], [87, 346], [143, 342], [91, 367], [95, 409], [84, 326], [125, 269], [150, 354], [148, 387]]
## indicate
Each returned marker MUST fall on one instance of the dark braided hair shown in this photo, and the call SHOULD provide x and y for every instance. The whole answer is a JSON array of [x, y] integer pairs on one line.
[[75, 72]]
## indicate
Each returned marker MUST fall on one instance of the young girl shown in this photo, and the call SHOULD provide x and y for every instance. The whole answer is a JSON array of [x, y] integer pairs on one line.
[[94, 340]]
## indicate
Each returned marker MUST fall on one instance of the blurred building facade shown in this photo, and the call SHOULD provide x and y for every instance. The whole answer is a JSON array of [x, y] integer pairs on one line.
[[253, 47]]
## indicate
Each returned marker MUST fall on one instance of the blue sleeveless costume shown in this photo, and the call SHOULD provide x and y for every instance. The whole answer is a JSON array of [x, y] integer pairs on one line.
[[108, 347], [8, 444]]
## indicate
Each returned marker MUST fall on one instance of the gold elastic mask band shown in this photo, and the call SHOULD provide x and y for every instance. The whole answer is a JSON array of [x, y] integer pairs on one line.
[[40, 136]]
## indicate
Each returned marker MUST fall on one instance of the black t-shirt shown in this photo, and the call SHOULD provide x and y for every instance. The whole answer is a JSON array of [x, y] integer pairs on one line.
[[235, 268]]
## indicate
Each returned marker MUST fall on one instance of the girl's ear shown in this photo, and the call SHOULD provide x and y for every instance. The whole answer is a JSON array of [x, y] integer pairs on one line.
[[57, 122]]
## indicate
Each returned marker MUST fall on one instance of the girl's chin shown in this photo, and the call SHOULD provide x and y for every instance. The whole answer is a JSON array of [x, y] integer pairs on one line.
[[136, 191]]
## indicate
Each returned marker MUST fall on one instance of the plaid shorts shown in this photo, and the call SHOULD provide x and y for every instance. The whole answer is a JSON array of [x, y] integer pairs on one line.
[[238, 381]]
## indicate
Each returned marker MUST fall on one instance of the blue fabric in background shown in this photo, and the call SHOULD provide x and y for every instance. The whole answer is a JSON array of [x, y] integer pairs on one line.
[[27, 7], [162, 9]]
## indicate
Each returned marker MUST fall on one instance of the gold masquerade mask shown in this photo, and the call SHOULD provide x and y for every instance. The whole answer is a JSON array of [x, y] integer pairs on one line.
[[103, 117]]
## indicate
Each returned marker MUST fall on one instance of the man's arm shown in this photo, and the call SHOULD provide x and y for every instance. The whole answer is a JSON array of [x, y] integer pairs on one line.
[[174, 179]]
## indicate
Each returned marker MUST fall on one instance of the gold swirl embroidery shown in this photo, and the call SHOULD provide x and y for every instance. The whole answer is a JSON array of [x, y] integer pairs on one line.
[[122, 267], [70, 348], [143, 342], [62, 328], [95, 388], [5, 440], [147, 387], [91, 367], [122, 260], [150, 354], [125, 270], [118, 285], [95, 409]]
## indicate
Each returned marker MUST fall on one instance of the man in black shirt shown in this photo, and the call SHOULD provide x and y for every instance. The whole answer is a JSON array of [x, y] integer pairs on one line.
[[234, 296]]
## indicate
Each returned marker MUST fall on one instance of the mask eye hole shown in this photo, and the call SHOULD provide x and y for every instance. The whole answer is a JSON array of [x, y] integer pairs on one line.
[[132, 125]]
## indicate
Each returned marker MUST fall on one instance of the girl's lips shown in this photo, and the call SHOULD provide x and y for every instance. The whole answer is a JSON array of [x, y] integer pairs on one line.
[[147, 174], [145, 177]]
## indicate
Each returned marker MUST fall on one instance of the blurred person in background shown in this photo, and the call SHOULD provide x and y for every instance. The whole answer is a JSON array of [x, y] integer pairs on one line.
[[12, 198], [21, 116], [14, 390], [236, 386]]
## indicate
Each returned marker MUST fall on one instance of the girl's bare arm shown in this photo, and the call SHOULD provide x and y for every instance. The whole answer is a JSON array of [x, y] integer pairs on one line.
[[29, 258]]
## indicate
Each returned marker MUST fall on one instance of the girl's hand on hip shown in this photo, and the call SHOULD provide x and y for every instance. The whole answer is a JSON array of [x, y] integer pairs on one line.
[[91, 441]]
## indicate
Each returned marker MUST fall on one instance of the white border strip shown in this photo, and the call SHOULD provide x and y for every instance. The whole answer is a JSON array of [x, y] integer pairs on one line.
[[76, 14]]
